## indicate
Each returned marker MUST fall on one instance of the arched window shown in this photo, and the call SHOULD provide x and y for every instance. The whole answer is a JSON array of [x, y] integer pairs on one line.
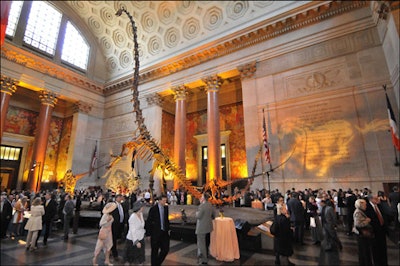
[[75, 49], [42, 30], [13, 18], [43, 27]]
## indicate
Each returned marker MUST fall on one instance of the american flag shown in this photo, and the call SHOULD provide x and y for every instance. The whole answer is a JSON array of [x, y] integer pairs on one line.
[[265, 139], [94, 160]]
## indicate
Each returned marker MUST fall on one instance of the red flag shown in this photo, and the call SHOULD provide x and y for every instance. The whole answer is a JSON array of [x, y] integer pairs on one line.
[[265, 139], [4, 12], [393, 123], [94, 160]]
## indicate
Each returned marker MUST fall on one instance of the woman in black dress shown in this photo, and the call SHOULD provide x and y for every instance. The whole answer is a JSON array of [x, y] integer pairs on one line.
[[283, 236]]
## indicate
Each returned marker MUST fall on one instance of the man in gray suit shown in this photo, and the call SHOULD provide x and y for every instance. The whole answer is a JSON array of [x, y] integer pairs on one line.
[[204, 226]]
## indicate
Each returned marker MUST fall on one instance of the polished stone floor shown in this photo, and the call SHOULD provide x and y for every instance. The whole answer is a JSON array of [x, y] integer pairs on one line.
[[78, 250]]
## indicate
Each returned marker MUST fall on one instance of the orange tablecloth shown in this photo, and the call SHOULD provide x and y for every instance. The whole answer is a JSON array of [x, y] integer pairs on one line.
[[256, 204], [223, 240]]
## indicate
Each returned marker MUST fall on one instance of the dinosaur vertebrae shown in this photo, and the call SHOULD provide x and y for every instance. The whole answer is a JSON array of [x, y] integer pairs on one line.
[[145, 140]]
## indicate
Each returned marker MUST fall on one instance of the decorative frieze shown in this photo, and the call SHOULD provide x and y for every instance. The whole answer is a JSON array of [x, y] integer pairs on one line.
[[8, 85], [334, 48], [315, 81], [36, 63]]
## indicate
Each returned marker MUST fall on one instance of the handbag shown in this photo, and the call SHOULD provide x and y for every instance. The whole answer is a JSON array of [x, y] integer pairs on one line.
[[312, 222], [103, 233], [366, 232]]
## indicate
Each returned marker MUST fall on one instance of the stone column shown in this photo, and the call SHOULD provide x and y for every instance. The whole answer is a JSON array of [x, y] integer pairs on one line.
[[79, 154], [48, 100], [213, 84], [153, 113], [7, 89], [253, 138], [180, 94]]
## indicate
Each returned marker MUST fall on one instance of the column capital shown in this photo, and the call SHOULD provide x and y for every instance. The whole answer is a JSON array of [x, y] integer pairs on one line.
[[180, 92], [213, 83], [247, 70], [82, 107], [8, 85], [48, 98], [154, 99]]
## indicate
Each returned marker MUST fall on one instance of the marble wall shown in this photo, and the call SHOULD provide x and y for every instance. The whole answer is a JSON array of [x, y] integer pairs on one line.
[[328, 116]]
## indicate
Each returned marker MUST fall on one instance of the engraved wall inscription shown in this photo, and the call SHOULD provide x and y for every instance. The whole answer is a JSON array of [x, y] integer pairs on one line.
[[327, 136]]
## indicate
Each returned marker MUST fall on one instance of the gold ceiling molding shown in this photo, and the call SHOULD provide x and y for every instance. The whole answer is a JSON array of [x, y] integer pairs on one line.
[[259, 35], [29, 60]]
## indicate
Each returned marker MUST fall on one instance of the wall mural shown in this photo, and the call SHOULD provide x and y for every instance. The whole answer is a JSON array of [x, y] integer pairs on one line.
[[196, 124], [63, 149], [52, 149], [231, 118], [24, 122], [20, 121], [167, 133]]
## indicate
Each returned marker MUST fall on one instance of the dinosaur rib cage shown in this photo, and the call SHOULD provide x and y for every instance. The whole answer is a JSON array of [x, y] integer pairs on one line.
[[147, 146]]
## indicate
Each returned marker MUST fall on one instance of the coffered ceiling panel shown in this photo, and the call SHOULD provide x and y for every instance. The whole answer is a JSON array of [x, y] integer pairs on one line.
[[168, 28]]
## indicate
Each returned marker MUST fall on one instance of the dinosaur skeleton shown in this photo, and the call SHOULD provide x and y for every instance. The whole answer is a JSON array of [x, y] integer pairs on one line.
[[145, 145], [147, 148]]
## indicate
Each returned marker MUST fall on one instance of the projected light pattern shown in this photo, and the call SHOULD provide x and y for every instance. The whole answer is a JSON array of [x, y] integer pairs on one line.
[[320, 147]]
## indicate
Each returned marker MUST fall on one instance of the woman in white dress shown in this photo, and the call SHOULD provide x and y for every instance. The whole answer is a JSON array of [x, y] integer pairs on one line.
[[134, 251], [173, 199], [34, 223], [105, 243]]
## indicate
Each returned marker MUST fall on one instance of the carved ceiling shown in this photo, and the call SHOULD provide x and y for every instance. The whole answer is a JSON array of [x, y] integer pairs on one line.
[[167, 29], [176, 35]]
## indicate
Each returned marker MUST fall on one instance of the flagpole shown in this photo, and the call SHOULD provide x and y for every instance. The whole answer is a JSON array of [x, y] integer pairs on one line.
[[268, 131], [267, 152], [97, 169]]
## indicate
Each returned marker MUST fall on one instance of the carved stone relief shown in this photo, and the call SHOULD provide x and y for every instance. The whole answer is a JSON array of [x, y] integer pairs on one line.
[[315, 81]]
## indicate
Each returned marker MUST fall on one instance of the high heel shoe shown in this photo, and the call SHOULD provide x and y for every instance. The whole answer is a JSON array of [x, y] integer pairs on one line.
[[108, 263]]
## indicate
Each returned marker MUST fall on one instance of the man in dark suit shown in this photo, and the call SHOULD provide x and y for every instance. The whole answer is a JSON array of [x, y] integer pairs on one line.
[[6, 215], [50, 210], [118, 224], [394, 200], [379, 247], [350, 202], [157, 227], [296, 211], [204, 226]]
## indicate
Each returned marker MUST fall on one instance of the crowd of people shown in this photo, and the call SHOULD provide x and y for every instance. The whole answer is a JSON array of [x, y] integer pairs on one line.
[[360, 212]]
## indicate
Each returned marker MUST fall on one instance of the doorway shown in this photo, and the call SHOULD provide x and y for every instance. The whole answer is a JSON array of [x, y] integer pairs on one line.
[[204, 163], [10, 160]]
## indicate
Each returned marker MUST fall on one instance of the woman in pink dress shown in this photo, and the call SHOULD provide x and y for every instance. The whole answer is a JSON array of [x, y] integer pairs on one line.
[[106, 243]]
